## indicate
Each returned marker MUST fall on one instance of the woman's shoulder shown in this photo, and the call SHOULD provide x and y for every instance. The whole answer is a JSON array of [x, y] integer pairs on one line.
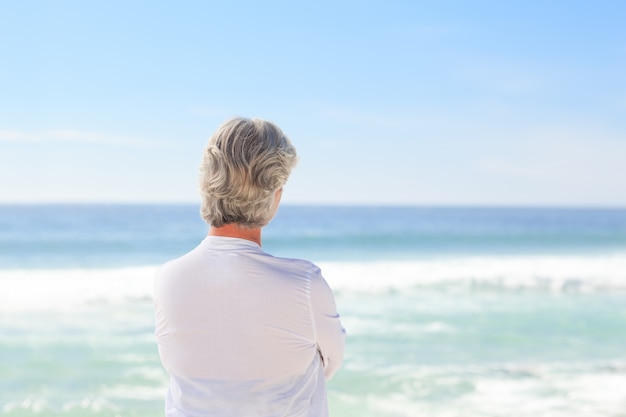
[[295, 264]]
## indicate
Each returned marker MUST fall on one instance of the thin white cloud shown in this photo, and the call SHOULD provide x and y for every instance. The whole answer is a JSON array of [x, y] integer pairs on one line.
[[504, 76], [70, 135], [566, 155], [370, 118]]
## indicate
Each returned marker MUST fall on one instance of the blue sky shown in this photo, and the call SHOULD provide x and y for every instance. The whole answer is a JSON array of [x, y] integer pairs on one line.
[[394, 102]]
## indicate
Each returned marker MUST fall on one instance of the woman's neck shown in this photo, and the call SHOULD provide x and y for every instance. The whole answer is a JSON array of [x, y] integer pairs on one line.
[[234, 230]]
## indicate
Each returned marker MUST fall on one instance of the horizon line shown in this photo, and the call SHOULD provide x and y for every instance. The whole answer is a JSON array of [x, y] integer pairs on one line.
[[355, 204]]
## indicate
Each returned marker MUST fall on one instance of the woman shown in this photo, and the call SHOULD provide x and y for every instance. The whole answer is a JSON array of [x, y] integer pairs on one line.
[[240, 332]]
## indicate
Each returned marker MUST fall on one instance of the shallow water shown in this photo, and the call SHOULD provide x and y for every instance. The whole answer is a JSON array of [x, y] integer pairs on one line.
[[470, 312]]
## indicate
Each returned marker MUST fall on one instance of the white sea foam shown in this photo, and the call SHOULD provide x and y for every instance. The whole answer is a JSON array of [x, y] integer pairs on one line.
[[65, 289], [58, 289], [541, 272], [517, 390]]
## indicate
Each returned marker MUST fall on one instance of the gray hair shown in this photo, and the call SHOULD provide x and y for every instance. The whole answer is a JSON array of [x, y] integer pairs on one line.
[[245, 162]]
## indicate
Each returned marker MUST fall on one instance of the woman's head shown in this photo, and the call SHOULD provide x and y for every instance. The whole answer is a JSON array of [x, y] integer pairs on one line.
[[244, 165]]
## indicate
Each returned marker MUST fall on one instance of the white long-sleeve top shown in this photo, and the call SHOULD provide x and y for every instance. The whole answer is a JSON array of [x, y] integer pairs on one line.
[[243, 333]]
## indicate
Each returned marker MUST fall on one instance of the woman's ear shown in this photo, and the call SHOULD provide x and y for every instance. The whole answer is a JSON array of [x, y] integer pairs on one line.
[[277, 196]]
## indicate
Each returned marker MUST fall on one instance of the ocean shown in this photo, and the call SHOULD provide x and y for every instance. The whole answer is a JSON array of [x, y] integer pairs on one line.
[[449, 311]]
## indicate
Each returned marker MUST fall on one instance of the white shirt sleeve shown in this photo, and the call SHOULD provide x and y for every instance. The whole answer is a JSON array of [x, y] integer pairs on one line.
[[330, 335]]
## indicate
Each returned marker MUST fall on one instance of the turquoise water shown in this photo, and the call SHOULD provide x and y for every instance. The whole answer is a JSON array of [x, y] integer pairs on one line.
[[449, 311]]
